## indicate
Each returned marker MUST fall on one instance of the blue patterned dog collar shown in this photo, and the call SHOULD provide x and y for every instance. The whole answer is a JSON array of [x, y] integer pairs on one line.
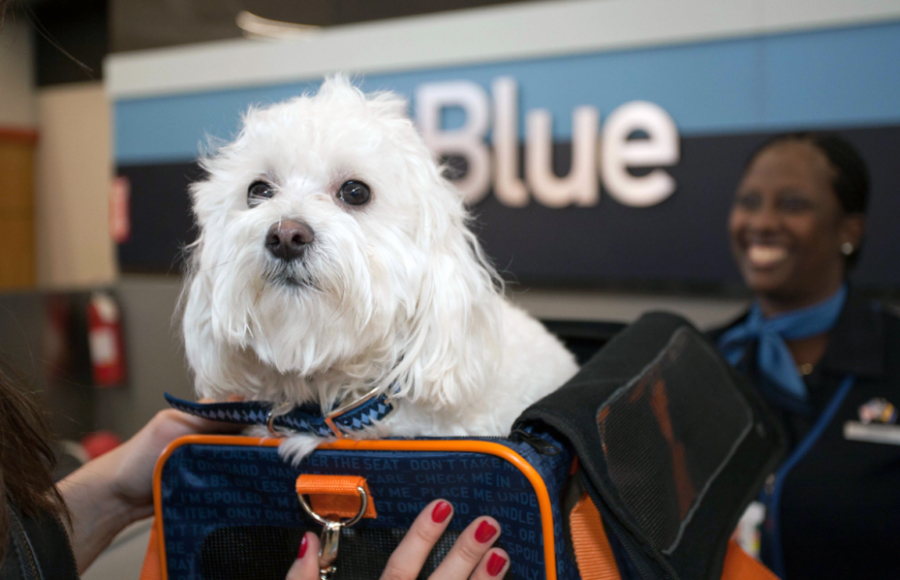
[[354, 415]]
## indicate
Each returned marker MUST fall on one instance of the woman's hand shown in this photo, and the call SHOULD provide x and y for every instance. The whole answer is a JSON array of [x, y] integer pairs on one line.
[[135, 460], [471, 555], [116, 489]]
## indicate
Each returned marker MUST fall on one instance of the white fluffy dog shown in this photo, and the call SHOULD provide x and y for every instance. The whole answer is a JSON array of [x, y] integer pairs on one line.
[[334, 258]]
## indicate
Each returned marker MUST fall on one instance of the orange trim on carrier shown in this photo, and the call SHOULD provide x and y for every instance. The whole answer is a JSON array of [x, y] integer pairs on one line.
[[465, 446]]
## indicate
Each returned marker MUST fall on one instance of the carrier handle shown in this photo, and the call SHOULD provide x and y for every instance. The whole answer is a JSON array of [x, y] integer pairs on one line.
[[336, 495], [364, 504], [333, 487]]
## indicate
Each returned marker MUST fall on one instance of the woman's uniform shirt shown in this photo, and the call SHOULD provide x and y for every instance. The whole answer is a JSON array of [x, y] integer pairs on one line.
[[840, 504]]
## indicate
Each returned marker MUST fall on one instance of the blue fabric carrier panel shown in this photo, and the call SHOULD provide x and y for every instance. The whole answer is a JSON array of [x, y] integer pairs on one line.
[[205, 487]]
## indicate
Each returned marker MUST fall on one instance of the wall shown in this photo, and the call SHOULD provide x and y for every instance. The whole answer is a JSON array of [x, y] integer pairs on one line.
[[17, 99], [74, 169], [17, 209], [18, 119], [624, 307], [54, 181], [155, 358]]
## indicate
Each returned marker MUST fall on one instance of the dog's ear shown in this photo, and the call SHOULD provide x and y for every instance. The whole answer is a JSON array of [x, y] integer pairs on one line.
[[453, 346], [218, 368], [194, 304]]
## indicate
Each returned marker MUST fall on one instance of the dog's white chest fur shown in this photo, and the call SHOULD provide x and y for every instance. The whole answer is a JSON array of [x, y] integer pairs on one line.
[[333, 257]]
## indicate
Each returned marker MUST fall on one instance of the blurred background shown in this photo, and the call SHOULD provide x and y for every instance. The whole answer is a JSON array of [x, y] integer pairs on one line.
[[105, 106]]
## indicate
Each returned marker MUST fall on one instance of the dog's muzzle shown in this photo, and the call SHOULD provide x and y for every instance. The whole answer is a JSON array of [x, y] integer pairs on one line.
[[287, 240]]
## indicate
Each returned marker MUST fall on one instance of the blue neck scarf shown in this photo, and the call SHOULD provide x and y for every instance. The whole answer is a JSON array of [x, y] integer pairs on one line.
[[774, 359]]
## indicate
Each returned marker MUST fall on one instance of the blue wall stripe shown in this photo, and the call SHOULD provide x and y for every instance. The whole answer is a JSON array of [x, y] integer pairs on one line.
[[831, 78], [841, 77]]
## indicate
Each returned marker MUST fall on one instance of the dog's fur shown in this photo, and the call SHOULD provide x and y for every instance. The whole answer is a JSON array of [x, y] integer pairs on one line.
[[394, 292]]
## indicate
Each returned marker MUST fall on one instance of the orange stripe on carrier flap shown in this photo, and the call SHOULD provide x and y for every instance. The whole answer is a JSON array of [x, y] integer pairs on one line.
[[336, 494], [595, 559], [739, 565], [593, 554]]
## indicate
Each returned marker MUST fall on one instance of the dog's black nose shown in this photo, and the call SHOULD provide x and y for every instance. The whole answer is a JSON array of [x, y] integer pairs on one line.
[[288, 239]]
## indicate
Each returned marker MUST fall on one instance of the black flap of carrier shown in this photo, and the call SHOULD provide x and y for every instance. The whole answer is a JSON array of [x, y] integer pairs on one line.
[[672, 445]]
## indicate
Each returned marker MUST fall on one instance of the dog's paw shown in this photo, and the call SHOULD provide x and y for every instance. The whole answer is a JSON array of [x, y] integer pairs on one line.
[[294, 448]]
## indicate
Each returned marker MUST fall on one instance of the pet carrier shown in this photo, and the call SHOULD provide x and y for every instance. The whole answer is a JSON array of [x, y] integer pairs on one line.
[[639, 467]]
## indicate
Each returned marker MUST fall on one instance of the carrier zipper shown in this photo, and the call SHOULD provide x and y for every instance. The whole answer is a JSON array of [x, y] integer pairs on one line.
[[518, 435], [542, 446]]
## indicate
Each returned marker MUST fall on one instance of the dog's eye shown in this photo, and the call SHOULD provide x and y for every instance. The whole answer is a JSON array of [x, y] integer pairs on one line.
[[259, 191], [354, 193]]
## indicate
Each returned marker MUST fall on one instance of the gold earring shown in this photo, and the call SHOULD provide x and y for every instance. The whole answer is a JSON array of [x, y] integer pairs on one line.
[[846, 248]]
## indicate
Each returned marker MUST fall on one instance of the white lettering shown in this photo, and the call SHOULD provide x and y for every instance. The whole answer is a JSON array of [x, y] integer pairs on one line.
[[467, 141], [508, 188], [618, 152], [580, 186], [605, 158]]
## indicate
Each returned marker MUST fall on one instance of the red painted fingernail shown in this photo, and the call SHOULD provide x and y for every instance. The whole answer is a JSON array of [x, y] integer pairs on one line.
[[440, 512], [485, 532], [495, 564], [303, 545]]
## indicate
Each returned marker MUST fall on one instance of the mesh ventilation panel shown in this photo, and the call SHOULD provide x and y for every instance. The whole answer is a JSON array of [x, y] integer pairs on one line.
[[267, 552], [666, 437]]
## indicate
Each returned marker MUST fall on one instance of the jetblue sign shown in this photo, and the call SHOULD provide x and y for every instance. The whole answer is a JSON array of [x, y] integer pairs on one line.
[[597, 155], [612, 169]]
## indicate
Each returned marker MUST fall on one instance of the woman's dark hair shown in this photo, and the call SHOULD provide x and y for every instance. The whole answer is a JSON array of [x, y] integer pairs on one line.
[[851, 180], [25, 456]]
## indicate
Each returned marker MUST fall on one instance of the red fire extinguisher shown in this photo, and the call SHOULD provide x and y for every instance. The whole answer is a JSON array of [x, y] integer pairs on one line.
[[105, 339]]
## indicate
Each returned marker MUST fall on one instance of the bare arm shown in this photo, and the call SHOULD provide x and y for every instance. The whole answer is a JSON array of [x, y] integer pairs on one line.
[[114, 490]]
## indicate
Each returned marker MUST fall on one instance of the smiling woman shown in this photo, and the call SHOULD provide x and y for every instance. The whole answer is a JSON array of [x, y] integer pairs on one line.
[[798, 219], [819, 355]]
